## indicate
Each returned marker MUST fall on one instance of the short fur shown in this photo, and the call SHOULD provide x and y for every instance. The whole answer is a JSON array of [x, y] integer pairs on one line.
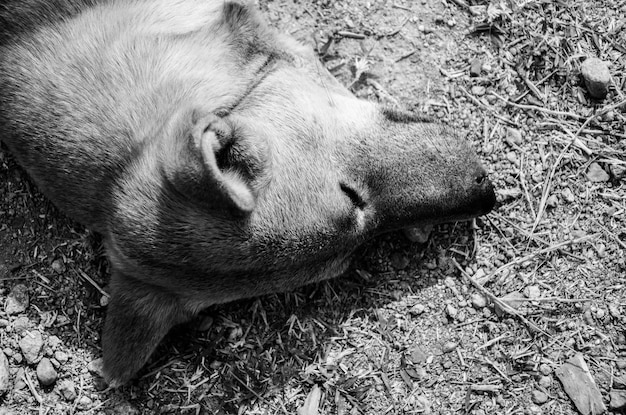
[[218, 159]]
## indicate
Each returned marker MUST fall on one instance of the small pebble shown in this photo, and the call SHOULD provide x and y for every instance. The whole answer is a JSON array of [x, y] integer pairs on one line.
[[31, 345], [95, 367], [45, 372], [5, 377], [478, 90], [54, 342], [67, 390], [621, 364], [568, 195], [58, 266], [84, 402], [532, 292], [451, 311], [476, 66], [399, 261], [451, 23], [597, 77], [417, 309], [545, 369], [618, 400], [20, 324], [449, 347], [552, 201], [418, 234], [513, 137], [539, 397], [17, 300], [545, 381], [478, 301], [61, 357], [597, 174], [104, 300], [614, 310]]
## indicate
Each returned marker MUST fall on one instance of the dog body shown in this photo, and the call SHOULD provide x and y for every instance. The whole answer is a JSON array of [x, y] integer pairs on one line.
[[218, 158]]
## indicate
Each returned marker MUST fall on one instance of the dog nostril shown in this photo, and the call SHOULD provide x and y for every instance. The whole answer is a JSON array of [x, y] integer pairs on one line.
[[481, 178]]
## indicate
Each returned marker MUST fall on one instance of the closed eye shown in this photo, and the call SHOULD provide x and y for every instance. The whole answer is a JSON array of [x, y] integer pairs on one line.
[[353, 195]]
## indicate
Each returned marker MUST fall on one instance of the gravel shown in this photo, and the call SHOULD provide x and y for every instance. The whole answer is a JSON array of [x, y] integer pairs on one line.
[[31, 345]]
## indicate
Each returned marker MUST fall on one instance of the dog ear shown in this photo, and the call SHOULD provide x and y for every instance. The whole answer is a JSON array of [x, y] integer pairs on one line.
[[191, 166], [138, 317]]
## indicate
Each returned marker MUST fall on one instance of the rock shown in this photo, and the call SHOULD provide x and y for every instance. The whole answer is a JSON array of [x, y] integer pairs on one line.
[[478, 301], [545, 382], [476, 67], [545, 369], [478, 90], [451, 311], [418, 234], [5, 378], [539, 397], [597, 77], [417, 309], [84, 402], [621, 364], [61, 357], [95, 367], [597, 174], [17, 300], [580, 386], [54, 342], [618, 171], [513, 137], [552, 201], [532, 292], [45, 372], [618, 400], [58, 266], [449, 347], [568, 195], [20, 324], [399, 261], [68, 390], [31, 345]]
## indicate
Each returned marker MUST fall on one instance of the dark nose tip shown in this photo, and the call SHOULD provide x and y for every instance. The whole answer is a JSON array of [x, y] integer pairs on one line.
[[481, 178]]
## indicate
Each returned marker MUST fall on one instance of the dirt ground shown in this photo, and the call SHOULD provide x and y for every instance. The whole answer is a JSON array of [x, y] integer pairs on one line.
[[478, 320]]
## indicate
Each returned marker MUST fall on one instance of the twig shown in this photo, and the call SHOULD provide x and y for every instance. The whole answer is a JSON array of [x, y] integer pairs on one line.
[[29, 383], [540, 109], [92, 282]]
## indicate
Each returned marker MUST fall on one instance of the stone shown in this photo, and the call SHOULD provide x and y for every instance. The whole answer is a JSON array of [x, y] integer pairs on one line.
[[580, 386], [597, 174], [46, 373], [478, 90], [597, 77], [417, 309], [449, 347], [539, 397], [617, 400], [476, 67], [418, 234], [17, 300], [95, 367], [399, 261], [478, 301], [19, 380], [61, 357], [58, 266], [67, 390], [84, 402], [31, 345], [5, 377]]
